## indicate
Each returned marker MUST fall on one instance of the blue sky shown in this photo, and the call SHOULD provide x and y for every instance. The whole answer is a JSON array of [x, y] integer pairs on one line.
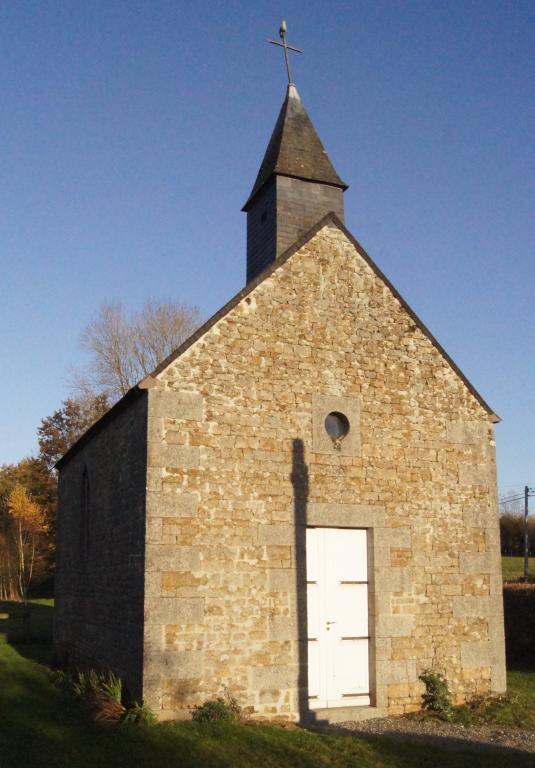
[[131, 134]]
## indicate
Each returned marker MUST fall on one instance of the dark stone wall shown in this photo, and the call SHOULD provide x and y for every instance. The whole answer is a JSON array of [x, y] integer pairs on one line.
[[282, 212], [99, 582]]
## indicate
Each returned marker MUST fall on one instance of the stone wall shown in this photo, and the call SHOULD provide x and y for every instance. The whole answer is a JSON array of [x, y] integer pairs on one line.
[[234, 477], [99, 582]]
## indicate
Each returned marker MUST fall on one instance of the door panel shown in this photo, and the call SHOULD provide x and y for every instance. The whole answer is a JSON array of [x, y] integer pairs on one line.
[[314, 670], [337, 606], [313, 611], [350, 609], [347, 552], [351, 669]]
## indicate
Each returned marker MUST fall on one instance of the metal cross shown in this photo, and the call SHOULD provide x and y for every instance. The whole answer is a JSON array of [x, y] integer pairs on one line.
[[284, 44]]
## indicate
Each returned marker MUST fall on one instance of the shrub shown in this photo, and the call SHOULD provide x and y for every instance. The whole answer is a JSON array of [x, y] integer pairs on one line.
[[437, 696], [85, 682], [112, 685], [221, 709], [102, 693], [139, 714], [61, 680]]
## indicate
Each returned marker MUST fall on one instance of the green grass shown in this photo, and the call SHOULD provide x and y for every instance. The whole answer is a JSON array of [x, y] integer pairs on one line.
[[41, 728], [516, 709], [513, 568]]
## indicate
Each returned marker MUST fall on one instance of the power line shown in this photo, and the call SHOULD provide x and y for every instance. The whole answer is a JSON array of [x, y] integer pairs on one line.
[[511, 498]]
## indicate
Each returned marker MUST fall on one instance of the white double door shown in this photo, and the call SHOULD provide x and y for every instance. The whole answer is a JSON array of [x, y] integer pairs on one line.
[[337, 611]]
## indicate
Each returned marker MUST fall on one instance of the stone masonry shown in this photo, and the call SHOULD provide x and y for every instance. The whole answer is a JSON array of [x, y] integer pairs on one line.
[[99, 587], [225, 508]]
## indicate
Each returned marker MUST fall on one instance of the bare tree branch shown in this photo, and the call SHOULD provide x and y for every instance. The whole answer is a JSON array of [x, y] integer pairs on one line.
[[124, 347]]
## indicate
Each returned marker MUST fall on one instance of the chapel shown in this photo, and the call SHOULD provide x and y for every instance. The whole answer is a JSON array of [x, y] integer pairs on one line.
[[299, 505]]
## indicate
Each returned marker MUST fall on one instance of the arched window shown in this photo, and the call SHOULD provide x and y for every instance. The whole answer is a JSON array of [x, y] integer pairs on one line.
[[85, 511]]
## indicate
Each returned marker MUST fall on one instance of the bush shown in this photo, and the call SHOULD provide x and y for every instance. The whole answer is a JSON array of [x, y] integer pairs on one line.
[[139, 714], [101, 692], [437, 696], [221, 709], [85, 682]]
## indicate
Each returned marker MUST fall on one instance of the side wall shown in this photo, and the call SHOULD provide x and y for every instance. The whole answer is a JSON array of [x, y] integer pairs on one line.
[[99, 585], [239, 465]]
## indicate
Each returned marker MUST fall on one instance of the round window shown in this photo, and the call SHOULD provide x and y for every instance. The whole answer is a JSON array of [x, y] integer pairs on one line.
[[336, 425]]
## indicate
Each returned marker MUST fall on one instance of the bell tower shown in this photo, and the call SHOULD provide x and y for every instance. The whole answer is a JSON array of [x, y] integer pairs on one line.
[[295, 187]]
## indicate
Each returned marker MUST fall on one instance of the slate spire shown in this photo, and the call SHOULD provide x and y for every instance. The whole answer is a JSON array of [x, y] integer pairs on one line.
[[295, 187], [295, 149]]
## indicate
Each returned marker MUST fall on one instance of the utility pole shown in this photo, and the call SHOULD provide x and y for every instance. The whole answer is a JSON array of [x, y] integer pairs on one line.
[[526, 533], [517, 497]]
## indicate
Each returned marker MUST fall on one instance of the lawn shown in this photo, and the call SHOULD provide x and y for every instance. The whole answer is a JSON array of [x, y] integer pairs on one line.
[[40, 727], [513, 568]]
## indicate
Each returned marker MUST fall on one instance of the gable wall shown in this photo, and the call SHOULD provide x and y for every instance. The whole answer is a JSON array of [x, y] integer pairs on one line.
[[99, 596], [234, 475]]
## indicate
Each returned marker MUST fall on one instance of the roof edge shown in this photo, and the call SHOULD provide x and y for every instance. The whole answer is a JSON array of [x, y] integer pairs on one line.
[[343, 186], [330, 218], [235, 300], [494, 418], [95, 428]]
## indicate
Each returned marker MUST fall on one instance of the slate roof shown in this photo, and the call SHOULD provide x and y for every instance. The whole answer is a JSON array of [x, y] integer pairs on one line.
[[295, 149]]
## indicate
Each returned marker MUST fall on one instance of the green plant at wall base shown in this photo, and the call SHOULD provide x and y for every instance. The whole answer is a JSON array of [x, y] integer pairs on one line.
[[221, 709], [87, 681], [82, 682], [61, 680], [437, 696], [112, 686], [139, 714]]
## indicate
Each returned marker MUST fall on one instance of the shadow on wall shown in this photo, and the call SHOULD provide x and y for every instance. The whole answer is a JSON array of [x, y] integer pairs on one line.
[[301, 490]]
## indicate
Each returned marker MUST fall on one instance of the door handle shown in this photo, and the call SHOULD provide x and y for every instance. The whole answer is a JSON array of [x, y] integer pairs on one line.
[[328, 624]]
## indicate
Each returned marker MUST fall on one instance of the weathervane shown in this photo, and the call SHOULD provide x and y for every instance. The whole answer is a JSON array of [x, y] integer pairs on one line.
[[284, 44]]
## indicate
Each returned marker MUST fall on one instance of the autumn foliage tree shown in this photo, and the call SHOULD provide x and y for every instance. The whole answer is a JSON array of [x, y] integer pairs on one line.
[[40, 486], [25, 543], [122, 347], [63, 428]]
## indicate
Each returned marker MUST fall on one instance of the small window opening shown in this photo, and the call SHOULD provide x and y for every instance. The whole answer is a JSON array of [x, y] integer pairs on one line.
[[263, 218], [337, 427]]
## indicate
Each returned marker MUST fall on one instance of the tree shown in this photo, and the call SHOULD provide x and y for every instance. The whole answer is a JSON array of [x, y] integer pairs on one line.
[[41, 484], [24, 539], [124, 347], [40, 487], [63, 428]]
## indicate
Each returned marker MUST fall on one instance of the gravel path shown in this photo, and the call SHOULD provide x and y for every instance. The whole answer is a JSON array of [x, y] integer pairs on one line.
[[444, 734]]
